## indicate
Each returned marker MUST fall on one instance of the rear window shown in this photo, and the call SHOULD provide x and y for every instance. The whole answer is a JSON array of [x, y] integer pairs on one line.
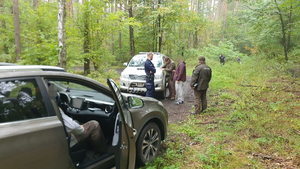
[[20, 100]]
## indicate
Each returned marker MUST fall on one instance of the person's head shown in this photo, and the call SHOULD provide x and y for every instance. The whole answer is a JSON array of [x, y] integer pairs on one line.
[[201, 60], [150, 55], [167, 59]]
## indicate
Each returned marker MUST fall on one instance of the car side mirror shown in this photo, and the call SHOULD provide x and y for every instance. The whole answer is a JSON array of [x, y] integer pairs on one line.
[[135, 102], [125, 64]]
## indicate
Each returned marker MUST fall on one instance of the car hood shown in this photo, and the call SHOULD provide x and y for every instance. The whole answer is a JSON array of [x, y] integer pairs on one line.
[[138, 71], [126, 95]]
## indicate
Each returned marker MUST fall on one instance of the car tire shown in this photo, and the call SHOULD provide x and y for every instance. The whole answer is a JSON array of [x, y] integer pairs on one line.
[[148, 144]]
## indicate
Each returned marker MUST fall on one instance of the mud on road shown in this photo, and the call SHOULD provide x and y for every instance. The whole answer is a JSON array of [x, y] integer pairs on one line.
[[178, 113]]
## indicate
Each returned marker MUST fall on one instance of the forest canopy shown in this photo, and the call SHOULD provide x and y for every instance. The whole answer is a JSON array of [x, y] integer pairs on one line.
[[111, 31]]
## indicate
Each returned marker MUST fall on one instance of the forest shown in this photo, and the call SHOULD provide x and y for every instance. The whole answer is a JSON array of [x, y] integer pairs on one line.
[[90, 32], [253, 118]]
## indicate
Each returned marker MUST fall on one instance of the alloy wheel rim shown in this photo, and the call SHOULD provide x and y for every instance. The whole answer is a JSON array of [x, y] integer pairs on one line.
[[150, 144]]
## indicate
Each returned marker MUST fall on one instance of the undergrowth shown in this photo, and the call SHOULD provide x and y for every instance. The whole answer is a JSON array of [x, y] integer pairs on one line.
[[253, 121]]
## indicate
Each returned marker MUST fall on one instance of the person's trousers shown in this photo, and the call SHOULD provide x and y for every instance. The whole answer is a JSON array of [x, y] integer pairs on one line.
[[179, 90], [200, 100], [171, 87], [150, 89], [94, 134]]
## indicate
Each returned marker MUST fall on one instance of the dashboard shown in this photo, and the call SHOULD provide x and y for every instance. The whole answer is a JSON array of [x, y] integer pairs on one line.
[[79, 103]]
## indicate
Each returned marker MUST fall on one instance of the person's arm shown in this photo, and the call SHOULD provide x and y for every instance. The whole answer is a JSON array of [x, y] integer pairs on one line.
[[170, 68], [210, 75], [152, 68], [195, 76], [164, 66]]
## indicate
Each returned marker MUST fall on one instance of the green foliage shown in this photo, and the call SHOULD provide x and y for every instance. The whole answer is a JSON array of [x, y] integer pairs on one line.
[[6, 35], [39, 37], [104, 73], [214, 157], [248, 119], [226, 48]]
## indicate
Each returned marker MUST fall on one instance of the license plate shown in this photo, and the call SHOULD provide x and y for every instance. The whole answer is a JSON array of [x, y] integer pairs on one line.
[[140, 84]]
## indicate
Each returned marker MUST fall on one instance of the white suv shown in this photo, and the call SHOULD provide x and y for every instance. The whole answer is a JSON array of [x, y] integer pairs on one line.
[[133, 77]]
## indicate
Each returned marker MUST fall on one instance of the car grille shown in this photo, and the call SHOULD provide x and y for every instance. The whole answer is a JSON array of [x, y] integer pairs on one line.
[[137, 77], [137, 84]]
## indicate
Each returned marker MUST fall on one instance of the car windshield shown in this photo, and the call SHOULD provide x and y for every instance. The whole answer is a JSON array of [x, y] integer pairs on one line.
[[139, 61]]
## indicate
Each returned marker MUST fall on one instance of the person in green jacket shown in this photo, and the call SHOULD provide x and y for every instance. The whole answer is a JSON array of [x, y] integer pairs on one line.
[[200, 83], [170, 67]]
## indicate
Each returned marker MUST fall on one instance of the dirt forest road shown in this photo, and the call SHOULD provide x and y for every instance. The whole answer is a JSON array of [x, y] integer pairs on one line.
[[178, 113]]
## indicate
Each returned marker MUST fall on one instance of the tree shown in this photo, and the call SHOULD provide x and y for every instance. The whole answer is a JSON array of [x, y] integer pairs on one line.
[[286, 26], [17, 29], [61, 33], [131, 30]]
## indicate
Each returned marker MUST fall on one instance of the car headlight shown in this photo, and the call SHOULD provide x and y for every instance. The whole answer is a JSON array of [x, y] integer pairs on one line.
[[124, 76]]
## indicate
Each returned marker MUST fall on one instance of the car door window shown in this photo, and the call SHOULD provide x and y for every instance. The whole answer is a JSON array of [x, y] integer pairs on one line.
[[20, 100], [126, 114]]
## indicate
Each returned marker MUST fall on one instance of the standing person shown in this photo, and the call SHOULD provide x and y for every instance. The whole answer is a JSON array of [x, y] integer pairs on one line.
[[200, 83], [238, 59], [222, 59], [150, 71], [169, 67], [180, 78]]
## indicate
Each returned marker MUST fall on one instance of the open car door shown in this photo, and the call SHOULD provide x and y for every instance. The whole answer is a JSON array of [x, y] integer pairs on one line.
[[124, 133]]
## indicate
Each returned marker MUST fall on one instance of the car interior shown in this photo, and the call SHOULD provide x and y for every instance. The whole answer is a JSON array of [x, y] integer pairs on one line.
[[83, 104], [20, 100]]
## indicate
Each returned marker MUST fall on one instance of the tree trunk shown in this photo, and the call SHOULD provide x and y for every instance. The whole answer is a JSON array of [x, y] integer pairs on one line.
[[3, 25], [62, 62], [290, 23], [131, 31], [17, 29], [86, 43], [195, 45], [159, 28], [120, 33], [35, 4], [69, 8], [283, 31]]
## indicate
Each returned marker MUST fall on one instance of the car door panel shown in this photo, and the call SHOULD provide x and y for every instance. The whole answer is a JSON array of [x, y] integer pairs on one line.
[[125, 149], [34, 144]]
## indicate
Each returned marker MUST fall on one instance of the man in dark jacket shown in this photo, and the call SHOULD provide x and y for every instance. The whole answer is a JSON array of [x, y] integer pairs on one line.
[[150, 71], [200, 83], [222, 59]]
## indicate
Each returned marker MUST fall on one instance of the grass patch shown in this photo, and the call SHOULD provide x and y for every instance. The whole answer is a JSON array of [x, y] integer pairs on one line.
[[253, 121]]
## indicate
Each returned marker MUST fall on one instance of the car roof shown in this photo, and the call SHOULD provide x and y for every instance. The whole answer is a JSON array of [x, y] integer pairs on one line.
[[6, 64], [14, 68], [49, 74], [145, 54]]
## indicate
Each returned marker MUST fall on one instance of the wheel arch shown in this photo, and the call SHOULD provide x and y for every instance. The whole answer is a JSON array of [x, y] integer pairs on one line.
[[160, 125]]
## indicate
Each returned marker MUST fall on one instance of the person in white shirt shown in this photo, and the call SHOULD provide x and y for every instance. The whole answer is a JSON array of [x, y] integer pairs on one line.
[[90, 130]]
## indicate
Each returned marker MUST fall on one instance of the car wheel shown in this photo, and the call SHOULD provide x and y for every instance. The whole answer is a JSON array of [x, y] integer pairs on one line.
[[148, 143]]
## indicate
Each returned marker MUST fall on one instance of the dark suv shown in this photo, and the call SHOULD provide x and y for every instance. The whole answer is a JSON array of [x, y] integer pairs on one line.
[[33, 134]]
